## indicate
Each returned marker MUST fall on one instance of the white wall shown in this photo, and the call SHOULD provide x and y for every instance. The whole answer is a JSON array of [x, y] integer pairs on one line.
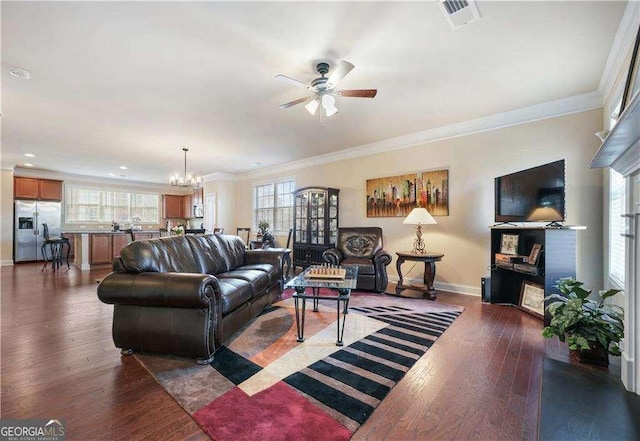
[[225, 191], [6, 217], [473, 162]]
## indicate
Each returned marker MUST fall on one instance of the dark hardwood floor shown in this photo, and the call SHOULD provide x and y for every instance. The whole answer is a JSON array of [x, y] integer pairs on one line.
[[480, 381]]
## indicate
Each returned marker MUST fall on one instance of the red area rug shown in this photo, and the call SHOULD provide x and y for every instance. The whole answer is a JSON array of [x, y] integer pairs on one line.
[[264, 385]]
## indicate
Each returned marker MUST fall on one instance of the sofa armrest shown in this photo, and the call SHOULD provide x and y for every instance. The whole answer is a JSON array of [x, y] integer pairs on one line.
[[269, 255], [176, 290], [332, 256], [381, 258]]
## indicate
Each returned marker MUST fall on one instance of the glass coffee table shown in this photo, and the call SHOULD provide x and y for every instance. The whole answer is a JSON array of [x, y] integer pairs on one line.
[[342, 287]]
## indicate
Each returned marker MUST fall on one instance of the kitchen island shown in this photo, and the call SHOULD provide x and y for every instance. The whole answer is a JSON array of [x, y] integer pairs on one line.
[[92, 248]]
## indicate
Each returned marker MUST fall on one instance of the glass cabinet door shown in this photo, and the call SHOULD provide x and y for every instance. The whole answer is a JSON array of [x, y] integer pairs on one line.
[[316, 217], [301, 217], [333, 219]]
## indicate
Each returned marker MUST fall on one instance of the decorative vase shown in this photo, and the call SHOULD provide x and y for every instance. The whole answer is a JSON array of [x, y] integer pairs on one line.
[[596, 355]]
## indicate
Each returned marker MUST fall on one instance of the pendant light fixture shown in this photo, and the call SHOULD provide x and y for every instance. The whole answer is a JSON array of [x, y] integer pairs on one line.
[[185, 179]]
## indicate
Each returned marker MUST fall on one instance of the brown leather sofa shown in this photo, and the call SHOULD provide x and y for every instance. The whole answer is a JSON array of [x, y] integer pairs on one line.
[[362, 247], [187, 295]]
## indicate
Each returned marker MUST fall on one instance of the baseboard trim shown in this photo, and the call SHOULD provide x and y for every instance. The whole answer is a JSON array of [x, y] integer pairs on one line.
[[6, 262], [628, 376]]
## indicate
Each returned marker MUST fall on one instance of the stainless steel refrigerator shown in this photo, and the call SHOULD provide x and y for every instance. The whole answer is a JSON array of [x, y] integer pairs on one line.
[[27, 234]]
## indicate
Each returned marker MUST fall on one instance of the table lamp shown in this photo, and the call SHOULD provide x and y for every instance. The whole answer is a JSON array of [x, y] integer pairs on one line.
[[419, 216]]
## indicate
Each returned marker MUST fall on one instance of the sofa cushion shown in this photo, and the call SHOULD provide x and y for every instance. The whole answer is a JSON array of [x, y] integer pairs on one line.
[[163, 255], [258, 279], [232, 249], [208, 253], [365, 265], [268, 268], [233, 293]]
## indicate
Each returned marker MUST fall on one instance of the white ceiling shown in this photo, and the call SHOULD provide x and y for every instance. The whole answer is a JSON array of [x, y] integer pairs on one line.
[[131, 83]]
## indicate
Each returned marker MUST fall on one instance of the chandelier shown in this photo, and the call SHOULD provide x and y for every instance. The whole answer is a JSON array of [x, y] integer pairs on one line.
[[185, 179]]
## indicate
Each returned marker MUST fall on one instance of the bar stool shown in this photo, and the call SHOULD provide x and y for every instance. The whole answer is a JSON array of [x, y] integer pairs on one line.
[[56, 246]]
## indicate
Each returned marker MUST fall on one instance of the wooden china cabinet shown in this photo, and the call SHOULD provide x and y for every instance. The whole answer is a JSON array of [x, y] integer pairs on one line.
[[315, 227]]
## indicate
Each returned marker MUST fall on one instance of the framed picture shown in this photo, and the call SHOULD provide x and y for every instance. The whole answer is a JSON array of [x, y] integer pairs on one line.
[[534, 255], [509, 244], [532, 299], [396, 196]]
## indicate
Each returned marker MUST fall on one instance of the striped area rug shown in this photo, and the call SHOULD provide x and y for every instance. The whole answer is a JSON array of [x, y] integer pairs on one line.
[[264, 385]]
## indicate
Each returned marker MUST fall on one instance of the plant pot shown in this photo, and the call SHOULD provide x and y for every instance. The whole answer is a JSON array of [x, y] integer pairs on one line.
[[596, 355]]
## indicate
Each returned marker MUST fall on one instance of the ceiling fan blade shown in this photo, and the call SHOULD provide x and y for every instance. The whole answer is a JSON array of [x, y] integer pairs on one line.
[[295, 102], [358, 93], [341, 71], [292, 81]]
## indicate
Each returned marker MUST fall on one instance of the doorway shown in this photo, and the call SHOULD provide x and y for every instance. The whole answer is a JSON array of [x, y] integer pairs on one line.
[[210, 212]]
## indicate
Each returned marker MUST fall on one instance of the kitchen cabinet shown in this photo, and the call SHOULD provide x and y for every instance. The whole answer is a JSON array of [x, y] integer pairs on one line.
[[100, 248], [37, 189], [187, 207], [104, 247], [315, 227], [173, 206], [117, 242]]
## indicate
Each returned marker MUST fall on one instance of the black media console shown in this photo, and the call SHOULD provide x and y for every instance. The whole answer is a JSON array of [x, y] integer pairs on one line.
[[557, 259]]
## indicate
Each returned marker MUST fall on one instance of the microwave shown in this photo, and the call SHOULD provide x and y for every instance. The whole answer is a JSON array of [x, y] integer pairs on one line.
[[198, 210]]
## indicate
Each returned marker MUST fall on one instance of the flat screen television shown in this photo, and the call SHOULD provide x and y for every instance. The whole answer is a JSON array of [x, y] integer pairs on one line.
[[533, 195]]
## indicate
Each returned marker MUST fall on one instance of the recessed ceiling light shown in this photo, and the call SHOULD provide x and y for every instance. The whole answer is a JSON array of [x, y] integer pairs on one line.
[[112, 174], [123, 167], [26, 164], [20, 73], [30, 155], [256, 164]]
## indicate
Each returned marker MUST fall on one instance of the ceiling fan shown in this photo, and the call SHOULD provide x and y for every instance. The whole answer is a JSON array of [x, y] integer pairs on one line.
[[324, 89]]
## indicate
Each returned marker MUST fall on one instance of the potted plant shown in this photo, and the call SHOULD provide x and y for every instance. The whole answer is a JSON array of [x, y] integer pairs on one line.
[[263, 227], [592, 329]]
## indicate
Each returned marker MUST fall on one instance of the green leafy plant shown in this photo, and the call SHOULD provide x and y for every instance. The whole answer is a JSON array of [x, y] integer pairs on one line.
[[584, 323], [263, 227]]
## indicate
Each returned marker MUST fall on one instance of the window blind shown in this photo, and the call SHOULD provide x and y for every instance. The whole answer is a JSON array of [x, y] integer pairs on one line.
[[616, 228], [273, 203], [88, 204]]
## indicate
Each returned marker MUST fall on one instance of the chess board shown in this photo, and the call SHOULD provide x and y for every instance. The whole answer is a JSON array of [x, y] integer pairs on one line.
[[326, 273]]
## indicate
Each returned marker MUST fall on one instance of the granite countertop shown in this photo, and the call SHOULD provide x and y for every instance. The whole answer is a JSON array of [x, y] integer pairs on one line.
[[104, 231]]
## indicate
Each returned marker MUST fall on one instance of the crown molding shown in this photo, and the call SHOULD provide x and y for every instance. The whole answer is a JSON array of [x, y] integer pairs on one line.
[[620, 48], [524, 115]]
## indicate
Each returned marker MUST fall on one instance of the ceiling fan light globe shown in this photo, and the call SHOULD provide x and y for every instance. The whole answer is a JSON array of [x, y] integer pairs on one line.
[[312, 106], [328, 101], [330, 110]]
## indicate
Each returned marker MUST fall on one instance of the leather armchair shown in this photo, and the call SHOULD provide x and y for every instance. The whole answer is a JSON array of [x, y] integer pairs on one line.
[[362, 247]]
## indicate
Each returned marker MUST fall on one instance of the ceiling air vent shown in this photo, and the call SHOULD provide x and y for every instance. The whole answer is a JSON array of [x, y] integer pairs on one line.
[[459, 12]]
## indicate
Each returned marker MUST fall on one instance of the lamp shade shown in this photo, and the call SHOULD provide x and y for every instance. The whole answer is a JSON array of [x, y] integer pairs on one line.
[[544, 214], [419, 216]]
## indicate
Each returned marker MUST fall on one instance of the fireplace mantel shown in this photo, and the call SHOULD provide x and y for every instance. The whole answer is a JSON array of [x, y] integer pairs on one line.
[[621, 149]]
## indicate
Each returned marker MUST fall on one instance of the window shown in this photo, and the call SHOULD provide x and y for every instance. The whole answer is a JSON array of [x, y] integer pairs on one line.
[[87, 204], [274, 203], [616, 228]]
